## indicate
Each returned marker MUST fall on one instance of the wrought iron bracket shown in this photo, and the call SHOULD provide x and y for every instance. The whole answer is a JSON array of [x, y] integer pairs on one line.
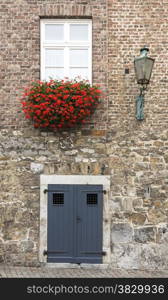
[[46, 252], [140, 103], [140, 107]]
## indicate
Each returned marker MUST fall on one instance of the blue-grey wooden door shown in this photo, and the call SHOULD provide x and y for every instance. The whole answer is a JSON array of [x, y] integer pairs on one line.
[[89, 223], [75, 223], [60, 223]]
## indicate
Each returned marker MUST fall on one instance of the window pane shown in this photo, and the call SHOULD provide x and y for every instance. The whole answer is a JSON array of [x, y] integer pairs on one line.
[[54, 57], [79, 32], [79, 57], [53, 73], [82, 73], [54, 32]]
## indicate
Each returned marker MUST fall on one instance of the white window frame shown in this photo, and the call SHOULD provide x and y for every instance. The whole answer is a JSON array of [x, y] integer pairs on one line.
[[66, 44]]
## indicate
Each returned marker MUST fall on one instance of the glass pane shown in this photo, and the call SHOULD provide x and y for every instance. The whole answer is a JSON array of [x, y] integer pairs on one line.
[[54, 57], [53, 73], [79, 58], [82, 73], [148, 69], [79, 32], [54, 32]]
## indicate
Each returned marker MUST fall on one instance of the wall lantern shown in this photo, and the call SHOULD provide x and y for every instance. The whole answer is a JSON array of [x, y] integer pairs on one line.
[[143, 70]]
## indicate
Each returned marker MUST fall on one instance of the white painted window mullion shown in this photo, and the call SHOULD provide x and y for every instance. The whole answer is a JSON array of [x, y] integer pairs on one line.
[[66, 61]]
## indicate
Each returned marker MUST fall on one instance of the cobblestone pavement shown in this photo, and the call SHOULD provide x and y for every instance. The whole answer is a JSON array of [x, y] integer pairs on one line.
[[48, 272]]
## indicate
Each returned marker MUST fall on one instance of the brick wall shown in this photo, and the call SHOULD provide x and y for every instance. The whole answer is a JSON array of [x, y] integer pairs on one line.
[[134, 153]]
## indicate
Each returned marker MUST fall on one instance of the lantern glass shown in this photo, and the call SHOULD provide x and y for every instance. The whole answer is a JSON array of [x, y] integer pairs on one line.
[[143, 69]]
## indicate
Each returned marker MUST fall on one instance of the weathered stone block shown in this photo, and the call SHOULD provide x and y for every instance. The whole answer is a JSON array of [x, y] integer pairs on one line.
[[87, 150], [126, 256], [138, 218], [27, 246], [151, 257], [2, 252], [162, 234], [121, 233], [156, 216], [155, 193], [36, 168], [71, 153], [17, 133], [145, 234], [126, 204], [137, 203], [116, 204], [96, 132], [166, 157], [13, 231]]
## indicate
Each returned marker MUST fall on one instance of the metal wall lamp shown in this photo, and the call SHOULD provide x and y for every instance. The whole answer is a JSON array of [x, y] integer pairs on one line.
[[143, 69]]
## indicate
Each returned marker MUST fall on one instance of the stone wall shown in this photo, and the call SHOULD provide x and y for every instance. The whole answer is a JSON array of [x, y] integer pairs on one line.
[[134, 153]]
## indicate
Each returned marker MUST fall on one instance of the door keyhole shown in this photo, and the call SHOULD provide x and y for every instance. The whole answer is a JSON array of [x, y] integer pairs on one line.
[[78, 219]]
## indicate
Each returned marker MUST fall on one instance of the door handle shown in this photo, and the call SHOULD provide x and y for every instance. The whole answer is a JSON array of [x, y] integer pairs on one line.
[[78, 219]]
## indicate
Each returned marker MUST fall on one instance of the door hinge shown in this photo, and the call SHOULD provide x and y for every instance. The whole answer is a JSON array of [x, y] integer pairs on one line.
[[103, 253], [46, 252]]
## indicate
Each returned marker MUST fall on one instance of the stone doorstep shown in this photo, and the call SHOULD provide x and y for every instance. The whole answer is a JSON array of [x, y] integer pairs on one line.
[[94, 266], [75, 266]]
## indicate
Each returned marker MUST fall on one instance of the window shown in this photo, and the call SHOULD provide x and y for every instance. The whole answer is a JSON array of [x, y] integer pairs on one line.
[[66, 49], [92, 199], [58, 199]]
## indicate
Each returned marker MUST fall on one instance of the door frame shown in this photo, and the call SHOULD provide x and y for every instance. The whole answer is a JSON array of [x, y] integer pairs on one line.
[[45, 180]]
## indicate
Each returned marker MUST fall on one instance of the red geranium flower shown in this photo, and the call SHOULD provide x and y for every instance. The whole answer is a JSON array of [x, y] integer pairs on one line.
[[59, 104]]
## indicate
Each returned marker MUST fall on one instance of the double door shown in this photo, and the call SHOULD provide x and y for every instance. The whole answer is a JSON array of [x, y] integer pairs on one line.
[[75, 223]]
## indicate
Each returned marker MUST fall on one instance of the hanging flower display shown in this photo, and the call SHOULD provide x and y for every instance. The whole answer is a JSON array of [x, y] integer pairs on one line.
[[60, 104]]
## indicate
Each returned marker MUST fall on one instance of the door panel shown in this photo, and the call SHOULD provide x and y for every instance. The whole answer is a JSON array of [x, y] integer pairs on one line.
[[60, 223], [89, 227]]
